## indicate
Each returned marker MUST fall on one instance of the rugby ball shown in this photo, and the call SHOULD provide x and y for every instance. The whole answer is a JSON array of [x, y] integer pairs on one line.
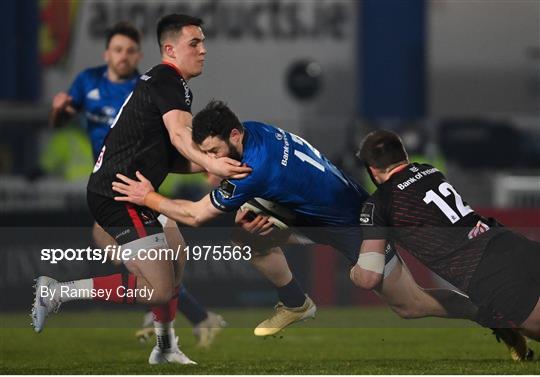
[[279, 215]]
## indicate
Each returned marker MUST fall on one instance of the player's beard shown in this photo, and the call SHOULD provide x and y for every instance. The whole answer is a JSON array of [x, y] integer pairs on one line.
[[124, 71], [233, 152]]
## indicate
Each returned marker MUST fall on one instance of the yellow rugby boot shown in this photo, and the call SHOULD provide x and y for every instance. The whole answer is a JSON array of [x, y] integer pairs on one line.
[[516, 343], [284, 316]]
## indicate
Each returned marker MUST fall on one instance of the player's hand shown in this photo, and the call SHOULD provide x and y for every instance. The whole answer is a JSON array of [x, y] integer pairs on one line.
[[61, 104], [259, 224], [134, 191], [226, 167]]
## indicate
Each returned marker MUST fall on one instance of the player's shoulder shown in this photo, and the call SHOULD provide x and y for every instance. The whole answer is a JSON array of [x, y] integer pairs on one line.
[[259, 137], [93, 73], [161, 72], [262, 134], [422, 166], [164, 76], [87, 82], [258, 127], [429, 173]]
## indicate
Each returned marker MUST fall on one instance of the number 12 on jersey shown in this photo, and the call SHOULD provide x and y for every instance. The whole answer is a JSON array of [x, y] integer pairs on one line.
[[446, 189]]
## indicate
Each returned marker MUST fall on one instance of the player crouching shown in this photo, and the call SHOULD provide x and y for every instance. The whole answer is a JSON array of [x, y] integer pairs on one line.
[[415, 207]]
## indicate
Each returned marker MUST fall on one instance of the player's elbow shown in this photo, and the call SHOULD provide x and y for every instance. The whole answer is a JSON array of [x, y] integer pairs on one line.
[[197, 221], [365, 279]]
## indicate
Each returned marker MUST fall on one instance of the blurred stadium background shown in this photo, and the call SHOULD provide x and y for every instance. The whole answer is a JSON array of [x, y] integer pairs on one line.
[[459, 80]]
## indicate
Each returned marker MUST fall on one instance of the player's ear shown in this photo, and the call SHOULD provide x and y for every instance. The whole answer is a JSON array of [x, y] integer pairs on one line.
[[106, 55], [168, 50], [235, 135]]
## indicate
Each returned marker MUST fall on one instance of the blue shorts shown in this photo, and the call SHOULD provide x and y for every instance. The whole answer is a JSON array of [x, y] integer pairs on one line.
[[346, 240]]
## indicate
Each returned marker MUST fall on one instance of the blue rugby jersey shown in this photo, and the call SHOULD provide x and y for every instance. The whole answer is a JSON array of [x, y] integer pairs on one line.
[[101, 100], [289, 171]]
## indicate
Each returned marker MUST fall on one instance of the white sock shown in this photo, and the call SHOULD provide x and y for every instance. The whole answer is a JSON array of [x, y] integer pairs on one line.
[[165, 336], [74, 290]]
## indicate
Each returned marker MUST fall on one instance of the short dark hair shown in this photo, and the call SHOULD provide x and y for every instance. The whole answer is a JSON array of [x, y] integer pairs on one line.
[[216, 119], [173, 23], [123, 28], [382, 149]]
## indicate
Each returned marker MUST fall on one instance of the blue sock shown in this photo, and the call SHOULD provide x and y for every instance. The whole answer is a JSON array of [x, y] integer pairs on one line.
[[292, 295], [190, 307]]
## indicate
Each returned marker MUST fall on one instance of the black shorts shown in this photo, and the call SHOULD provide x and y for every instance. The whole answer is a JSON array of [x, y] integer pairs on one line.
[[506, 283], [125, 222]]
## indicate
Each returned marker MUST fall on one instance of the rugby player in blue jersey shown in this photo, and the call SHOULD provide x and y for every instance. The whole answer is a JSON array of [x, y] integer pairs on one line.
[[326, 203], [99, 93]]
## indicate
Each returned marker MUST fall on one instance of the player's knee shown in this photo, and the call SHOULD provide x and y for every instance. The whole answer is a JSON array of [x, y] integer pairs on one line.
[[364, 279], [160, 297]]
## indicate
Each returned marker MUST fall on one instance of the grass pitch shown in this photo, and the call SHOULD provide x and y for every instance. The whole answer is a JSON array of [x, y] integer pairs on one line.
[[339, 341]]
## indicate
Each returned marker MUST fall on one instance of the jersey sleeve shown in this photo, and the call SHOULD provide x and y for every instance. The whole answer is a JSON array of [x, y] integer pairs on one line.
[[374, 218], [232, 193], [76, 90], [169, 93]]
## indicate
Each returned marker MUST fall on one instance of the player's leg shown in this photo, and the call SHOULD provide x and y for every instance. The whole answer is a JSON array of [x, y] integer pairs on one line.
[[176, 243], [166, 276], [266, 256], [506, 284], [294, 304], [166, 349], [206, 325], [164, 314], [273, 265], [101, 238], [531, 326], [152, 282], [530, 272], [147, 278], [408, 300], [398, 288]]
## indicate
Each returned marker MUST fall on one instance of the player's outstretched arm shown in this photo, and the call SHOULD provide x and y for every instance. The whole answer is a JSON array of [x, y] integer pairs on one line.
[[142, 193], [61, 106], [178, 124], [184, 211], [368, 272]]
